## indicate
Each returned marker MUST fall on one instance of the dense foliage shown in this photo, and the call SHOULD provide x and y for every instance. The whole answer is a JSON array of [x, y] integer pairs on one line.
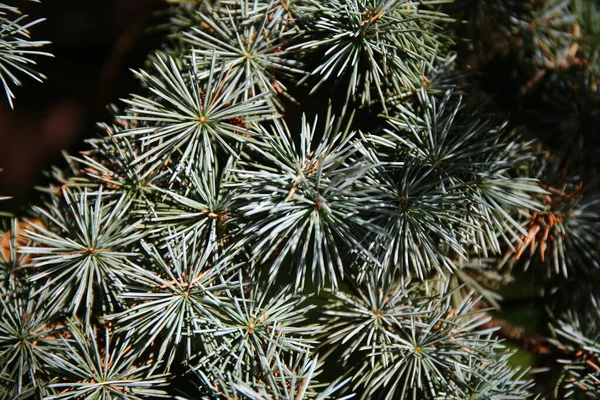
[[321, 199]]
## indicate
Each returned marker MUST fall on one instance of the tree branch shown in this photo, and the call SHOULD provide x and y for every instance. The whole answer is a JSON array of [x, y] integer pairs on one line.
[[530, 341]]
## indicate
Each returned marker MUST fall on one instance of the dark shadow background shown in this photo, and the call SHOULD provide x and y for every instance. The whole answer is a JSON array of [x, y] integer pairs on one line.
[[94, 43]]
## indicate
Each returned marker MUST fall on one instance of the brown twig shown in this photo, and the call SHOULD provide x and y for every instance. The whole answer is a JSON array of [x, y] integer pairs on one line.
[[530, 341], [373, 18]]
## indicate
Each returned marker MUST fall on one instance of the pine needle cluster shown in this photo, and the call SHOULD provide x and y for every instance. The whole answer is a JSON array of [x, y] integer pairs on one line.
[[310, 200], [17, 50]]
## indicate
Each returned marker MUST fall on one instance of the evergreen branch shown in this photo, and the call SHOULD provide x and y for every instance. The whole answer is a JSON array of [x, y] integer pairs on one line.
[[80, 252], [102, 366], [359, 324], [305, 202], [250, 40], [17, 50], [28, 336], [451, 184], [198, 209], [562, 239], [418, 218], [110, 161], [368, 42], [188, 116], [186, 231], [588, 37], [296, 379], [439, 76], [431, 353], [180, 291], [494, 380], [550, 29], [476, 157], [254, 326], [289, 378], [483, 277], [581, 371]]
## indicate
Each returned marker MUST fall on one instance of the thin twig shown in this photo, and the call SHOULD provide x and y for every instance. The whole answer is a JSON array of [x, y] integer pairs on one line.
[[530, 341]]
